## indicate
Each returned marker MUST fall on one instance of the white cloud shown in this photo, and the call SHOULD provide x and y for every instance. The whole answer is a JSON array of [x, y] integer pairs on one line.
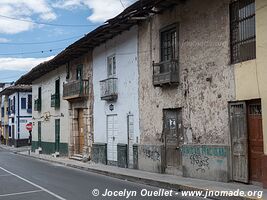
[[4, 40], [24, 10], [21, 64], [101, 10]]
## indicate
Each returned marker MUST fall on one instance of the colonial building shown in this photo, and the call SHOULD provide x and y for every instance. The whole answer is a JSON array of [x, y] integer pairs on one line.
[[195, 61], [50, 120], [78, 91], [116, 113], [248, 113], [166, 86], [17, 113]]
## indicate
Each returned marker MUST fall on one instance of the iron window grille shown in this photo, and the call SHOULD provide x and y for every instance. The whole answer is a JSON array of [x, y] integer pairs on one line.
[[243, 30]]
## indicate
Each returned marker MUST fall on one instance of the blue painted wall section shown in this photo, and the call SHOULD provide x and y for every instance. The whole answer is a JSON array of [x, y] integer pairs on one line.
[[209, 162]]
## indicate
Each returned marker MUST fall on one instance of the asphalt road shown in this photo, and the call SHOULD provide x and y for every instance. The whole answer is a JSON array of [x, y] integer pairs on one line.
[[23, 178]]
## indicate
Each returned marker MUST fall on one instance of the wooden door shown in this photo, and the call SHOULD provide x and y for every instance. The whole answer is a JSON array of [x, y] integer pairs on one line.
[[81, 130], [173, 136], [57, 134], [39, 134], [239, 139], [255, 141], [112, 135]]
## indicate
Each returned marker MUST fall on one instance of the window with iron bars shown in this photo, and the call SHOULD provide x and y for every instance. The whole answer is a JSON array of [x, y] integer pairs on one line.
[[169, 43], [243, 30]]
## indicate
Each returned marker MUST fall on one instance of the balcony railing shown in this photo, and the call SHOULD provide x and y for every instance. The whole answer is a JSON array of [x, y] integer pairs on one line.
[[76, 89], [109, 89], [165, 73], [37, 105], [55, 100]]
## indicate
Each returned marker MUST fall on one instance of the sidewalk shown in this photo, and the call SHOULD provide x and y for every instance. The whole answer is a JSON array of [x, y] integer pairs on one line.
[[153, 179]]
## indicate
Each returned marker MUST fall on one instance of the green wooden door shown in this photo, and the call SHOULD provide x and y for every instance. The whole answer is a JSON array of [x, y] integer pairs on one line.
[[57, 134], [39, 134]]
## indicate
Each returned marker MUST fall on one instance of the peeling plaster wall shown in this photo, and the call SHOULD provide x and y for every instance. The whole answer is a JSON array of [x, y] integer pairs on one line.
[[203, 53]]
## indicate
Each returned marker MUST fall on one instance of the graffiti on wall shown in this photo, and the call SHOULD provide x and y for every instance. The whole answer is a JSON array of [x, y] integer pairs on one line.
[[201, 162], [151, 153], [201, 156]]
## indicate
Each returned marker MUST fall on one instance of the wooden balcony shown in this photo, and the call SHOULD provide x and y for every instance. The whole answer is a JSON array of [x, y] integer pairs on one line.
[[165, 73], [109, 91], [76, 89]]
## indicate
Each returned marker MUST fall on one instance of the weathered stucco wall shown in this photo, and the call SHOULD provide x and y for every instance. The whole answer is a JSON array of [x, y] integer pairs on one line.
[[203, 53]]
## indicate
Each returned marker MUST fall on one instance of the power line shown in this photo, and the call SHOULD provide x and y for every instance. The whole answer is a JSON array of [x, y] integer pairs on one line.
[[45, 42], [49, 24], [30, 52], [122, 4]]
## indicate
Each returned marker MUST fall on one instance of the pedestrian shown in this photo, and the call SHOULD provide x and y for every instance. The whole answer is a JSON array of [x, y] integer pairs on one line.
[[30, 138], [2, 139]]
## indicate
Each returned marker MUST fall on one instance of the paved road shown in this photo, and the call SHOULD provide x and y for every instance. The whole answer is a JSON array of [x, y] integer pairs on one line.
[[23, 178]]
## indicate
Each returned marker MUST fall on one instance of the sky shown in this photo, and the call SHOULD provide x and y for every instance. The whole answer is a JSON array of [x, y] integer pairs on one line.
[[33, 31]]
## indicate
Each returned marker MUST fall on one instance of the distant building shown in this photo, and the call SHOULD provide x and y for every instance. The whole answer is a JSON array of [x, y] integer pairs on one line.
[[16, 112]]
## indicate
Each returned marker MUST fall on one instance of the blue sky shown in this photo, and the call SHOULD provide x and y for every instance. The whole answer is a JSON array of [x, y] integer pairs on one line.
[[24, 21]]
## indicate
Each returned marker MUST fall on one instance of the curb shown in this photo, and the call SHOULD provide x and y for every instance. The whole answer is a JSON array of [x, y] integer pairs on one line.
[[151, 182]]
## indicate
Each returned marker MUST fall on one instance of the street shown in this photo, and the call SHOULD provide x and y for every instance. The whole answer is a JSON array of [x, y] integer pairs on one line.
[[23, 178]]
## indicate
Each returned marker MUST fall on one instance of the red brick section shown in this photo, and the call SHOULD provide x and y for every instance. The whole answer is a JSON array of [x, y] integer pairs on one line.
[[264, 168]]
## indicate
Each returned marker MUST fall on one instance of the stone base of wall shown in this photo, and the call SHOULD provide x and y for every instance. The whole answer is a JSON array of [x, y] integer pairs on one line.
[[99, 153], [122, 155], [210, 162], [264, 179], [151, 158], [49, 147]]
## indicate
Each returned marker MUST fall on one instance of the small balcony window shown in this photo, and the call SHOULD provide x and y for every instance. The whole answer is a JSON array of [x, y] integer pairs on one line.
[[76, 89], [109, 90], [165, 73]]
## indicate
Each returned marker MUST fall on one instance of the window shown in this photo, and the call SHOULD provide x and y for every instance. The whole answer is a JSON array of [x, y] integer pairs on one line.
[[79, 72], [23, 103], [111, 62], [243, 31], [29, 101], [168, 43]]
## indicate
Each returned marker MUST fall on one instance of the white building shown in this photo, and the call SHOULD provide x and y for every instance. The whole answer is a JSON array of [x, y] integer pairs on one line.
[[50, 132], [17, 113], [115, 78]]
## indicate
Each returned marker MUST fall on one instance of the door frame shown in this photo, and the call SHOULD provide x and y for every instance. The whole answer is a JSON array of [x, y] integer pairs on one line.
[[179, 109]]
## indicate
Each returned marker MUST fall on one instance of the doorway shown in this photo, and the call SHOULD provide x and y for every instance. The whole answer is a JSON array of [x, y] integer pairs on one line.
[[112, 136], [57, 134], [246, 140], [80, 131], [39, 134], [255, 140], [173, 137]]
